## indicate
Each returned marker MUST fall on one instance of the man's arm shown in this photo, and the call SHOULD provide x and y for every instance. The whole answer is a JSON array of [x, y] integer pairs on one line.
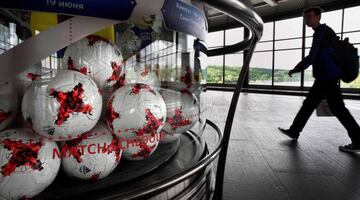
[[314, 51]]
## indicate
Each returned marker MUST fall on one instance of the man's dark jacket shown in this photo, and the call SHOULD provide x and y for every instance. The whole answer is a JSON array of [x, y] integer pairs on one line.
[[320, 55]]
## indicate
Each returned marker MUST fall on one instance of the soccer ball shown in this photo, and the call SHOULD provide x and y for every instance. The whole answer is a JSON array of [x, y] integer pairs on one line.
[[135, 110], [8, 105], [96, 57], [93, 156], [106, 94], [25, 78], [148, 77], [141, 147], [27, 163], [182, 111], [188, 80], [62, 108]]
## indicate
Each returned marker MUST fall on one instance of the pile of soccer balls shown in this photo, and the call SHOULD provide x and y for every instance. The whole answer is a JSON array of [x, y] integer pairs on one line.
[[83, 117]]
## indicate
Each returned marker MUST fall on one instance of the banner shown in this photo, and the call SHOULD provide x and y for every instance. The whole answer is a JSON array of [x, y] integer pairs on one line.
[[185, 17], [110, 9], [41, 21], [108, 33]]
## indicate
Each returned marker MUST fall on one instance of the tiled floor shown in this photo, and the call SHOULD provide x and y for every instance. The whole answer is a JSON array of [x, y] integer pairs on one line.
[[263, 164]]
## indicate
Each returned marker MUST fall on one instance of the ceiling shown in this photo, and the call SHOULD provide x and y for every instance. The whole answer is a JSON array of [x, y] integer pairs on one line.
[[273, 10]]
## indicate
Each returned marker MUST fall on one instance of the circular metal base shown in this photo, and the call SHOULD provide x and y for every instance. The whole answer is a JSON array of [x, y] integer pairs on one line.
[[166, 161]]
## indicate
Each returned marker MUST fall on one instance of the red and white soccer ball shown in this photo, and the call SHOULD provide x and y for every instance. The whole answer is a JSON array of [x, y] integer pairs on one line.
[[27, 163], [24, 79], [140, 148], [136, 110], [96, 57], [147, 76], [93, 156], [105, 94], [8, 105], [188, 80], [182, 111], [62, 108]]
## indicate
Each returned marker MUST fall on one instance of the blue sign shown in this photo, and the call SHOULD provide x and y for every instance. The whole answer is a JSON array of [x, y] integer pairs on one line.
[[111, 9], [185, 17]]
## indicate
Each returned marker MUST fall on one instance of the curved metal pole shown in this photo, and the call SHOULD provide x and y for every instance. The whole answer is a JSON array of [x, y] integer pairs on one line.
[[245, 15], [228, 125]]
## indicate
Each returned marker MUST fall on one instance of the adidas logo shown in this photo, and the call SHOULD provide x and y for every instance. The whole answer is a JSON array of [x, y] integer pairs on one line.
[[84, 169]]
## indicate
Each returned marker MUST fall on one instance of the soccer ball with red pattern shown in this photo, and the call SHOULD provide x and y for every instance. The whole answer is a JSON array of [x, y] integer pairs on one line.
[[148, 76], [136, 110], [24, 79], [26, 163], [93, 156], [64, 107], [182, 111], [96, 57], [8, 105], [141, 147]]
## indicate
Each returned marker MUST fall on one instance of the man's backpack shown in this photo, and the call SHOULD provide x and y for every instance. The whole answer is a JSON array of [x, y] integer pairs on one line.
[[347, 59]]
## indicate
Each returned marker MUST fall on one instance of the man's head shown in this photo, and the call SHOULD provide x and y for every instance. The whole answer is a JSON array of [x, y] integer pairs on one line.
[[312, 16]]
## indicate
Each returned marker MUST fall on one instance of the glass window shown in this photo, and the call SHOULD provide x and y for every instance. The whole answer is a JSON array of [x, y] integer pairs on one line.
[[287, 44], [284, 61], [261, 68], [215, 39], [264, 46], [351, 17], [233, 36], [214, 69], [353, 37], [308, 42], [288, 28], [233, 65], [333, 19], [268, 31], [190, 42]]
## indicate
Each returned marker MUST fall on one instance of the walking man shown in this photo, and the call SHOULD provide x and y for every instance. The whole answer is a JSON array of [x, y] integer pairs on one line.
[[326, 84]]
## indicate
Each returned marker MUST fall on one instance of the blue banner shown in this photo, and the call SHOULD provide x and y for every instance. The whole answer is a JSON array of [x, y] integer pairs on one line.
[[111, 9], [185, 17]]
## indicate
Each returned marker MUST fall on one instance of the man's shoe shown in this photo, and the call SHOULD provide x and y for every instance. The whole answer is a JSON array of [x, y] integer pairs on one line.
[[350, 148], [292, 134]]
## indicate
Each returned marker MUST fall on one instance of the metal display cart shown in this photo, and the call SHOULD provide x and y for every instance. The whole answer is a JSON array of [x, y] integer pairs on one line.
[[182, 168]]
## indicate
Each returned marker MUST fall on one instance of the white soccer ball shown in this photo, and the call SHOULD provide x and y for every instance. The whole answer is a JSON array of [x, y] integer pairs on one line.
[[8, 104], [182, 111], [148, 76], [135, 110], [141, 147], [27, 163], [62, 108], [96, 57], [105, 94], [93, 156], [24, 79], [188, 80]]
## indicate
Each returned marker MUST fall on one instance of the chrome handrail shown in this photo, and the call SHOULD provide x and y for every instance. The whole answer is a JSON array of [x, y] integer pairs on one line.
[[245, 14]]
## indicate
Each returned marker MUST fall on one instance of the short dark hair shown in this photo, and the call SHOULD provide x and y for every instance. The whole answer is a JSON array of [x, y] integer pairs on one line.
[[316, 10]]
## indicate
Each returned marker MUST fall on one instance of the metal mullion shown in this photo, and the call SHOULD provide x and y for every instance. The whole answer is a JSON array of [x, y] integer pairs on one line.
[[223, 56], [273, 57], [342, 23]]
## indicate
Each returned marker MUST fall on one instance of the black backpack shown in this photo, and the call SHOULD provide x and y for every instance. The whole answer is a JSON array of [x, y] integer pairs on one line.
[[346, 57]]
